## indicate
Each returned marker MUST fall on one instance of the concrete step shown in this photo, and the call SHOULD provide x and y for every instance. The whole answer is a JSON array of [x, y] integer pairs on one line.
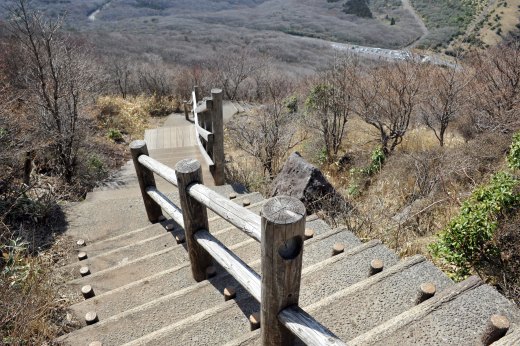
[[97, 220], [368, 302], [180, 304], [456, 316], [188, 329], [128, 246], [138, 268], [106, 304]]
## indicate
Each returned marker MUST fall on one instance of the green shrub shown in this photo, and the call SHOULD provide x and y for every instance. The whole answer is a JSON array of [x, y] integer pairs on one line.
[[513, 158], [465, 243], [377, 158], [115, 135]]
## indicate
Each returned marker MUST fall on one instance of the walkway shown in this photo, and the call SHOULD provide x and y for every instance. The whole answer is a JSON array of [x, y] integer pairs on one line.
[[176, 140]]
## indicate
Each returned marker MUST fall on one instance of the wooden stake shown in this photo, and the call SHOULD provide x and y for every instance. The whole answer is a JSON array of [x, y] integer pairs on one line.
[[283, 228], [146, 179], [496, 328], [194, 214]]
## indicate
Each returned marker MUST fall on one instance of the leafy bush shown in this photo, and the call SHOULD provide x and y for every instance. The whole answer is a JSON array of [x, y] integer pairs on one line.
[[464, 244], [513, 159], [377, 158], [115, 135]]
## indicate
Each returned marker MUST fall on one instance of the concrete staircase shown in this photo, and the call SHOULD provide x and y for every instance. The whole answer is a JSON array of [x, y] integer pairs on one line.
[[144, 293]]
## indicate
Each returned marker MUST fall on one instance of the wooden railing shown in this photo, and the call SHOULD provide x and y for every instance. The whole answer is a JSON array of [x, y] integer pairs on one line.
[[209, 130], [280, 230]]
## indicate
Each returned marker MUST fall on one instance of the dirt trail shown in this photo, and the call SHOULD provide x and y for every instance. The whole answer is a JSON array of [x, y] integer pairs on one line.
[[408, 6]]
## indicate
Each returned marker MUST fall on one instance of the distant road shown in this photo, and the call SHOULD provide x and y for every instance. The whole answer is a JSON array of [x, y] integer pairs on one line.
[[92, 16]]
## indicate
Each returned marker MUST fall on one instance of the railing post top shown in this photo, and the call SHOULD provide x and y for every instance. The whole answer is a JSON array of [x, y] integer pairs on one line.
[[216, 91], [138, 144], [187, 166], [283, 210]]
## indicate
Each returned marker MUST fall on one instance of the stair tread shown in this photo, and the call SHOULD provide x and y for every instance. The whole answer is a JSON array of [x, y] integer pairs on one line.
[[197, 302], [457, 316]]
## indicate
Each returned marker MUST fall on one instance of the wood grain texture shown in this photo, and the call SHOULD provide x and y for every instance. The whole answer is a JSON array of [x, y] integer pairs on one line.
[[417, 313], [146, 179], [283, 228], [218, 130], [169, 208], [307, 329], [238, 216], [158, 168], [246, 276], [194, 214]]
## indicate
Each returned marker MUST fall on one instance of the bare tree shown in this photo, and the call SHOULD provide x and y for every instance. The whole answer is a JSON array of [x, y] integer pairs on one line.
[[444, 98], [232, 70], [271, 131], [155, 78], [497, 90], [121, 72], [59, 78], [386, 99], [331, 103]]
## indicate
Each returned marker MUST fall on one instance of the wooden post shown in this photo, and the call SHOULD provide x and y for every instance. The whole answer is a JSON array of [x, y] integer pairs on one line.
[[146, 179], [283, 228], [218, 130], [186, 115], [194, 214]]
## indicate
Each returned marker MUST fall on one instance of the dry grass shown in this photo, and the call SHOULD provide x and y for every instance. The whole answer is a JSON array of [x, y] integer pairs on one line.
[[32, 306], [130, 116], [509, 18]]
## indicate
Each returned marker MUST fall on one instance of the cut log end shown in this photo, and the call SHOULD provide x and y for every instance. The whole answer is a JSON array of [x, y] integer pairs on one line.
[[254, 321], [376, 266], [232, 195], [338, 248], [246, 202], [91, 317], [187, 166], [426, 291], [82, 256], [81, 243], [180, 239], [169, 227], [84, 271], [283, 210], [309, 233], [229, 293], [497, 327], [87, 291]]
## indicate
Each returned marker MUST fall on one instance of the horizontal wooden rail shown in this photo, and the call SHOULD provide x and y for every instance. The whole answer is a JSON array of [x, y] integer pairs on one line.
[[203, 132], [158, 168], [306, 328], [201, 108], [238, 216], [166, 205], [246, 276]]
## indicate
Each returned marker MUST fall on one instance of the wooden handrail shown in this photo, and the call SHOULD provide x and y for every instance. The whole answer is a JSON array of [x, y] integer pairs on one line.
[[246, 276], [167, 205], [212, 131], [240, 217], [280, 231], [158, 168], [306, 328]]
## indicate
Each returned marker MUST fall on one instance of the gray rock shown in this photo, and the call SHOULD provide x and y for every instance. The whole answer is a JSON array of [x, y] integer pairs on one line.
[[302, 180]]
